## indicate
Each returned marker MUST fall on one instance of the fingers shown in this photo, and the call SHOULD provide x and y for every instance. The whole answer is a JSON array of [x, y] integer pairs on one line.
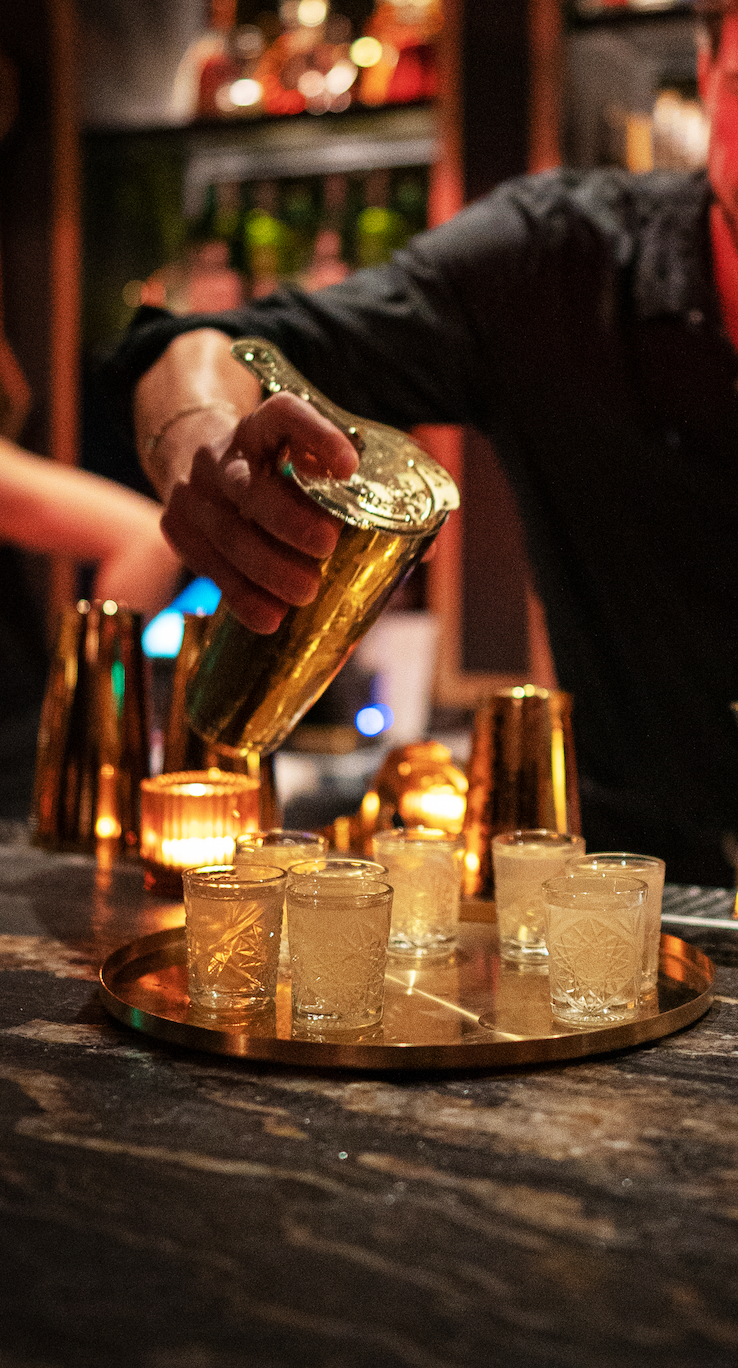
[[251, 551], [285, 422], [262, 496], [238, 520], [252, 605], [279, 507], [260, 574]]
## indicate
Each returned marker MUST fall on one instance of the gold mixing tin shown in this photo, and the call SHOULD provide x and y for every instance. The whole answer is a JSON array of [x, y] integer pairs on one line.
[[247, 691], [431, 1017]]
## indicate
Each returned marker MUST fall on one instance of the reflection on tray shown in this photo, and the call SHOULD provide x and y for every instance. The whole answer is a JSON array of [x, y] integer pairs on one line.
[[431, 1016]]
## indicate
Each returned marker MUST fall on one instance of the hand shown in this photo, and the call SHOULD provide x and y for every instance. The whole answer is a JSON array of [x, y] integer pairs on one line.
[[237, 519]]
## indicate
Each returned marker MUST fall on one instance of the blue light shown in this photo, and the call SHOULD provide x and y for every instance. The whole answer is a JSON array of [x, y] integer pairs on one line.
[[373, 720], [200, 596], [162, 638]]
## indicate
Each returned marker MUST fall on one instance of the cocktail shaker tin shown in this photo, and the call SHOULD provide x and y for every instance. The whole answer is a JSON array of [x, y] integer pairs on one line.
[[248, 691]]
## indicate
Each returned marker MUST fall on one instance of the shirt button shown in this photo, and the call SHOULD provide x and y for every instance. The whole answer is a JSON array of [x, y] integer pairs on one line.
[[695, 318]]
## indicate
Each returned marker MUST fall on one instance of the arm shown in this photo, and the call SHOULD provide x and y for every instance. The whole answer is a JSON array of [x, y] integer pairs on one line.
[[56, 509], [231, 514], [402, 344]]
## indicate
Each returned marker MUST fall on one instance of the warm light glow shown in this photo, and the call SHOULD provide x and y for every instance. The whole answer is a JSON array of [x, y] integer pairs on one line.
[[341, 77], [342, 834], [370, 805], [558, 776], [198, 850], [110, 607], [366, 52], [245, 92], [311, 13], [107, 827], [194, 818], [435, 807], [311, 84], [472, 862]]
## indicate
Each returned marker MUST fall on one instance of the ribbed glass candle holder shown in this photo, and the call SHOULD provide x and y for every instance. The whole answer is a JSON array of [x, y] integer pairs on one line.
[[193, 817]]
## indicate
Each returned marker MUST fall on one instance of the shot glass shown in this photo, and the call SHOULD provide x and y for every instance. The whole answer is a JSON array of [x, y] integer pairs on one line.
[[595, 928], [233, 919], [338, 930], [425, 868], [523, 861], [282, 848], [278, 847], [337, 865], [651, 870]]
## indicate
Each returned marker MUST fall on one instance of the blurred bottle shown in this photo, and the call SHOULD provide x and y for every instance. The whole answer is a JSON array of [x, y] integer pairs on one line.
[[208, 274], [222, 67], [214, 79], [354, 200], [267, 241], [408, 196], [206, 65], [327, 265], [299, 209], [380, 229]]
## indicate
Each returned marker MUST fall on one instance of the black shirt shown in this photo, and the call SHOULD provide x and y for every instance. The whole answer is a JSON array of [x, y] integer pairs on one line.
[[572, 317]]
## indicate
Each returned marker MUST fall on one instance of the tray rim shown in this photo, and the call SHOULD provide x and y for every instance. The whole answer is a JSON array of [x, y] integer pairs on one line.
[[487, 1055]]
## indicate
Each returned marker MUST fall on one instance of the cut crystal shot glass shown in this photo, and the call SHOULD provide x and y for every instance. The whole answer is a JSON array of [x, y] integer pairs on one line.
[[233, 921], [595, 930], [338, 930]]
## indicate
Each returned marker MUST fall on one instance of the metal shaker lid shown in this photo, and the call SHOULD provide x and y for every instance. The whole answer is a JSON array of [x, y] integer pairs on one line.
[[397, 488]]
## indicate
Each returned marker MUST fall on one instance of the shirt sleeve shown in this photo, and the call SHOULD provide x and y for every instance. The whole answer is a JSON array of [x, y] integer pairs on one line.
[[420, 340]]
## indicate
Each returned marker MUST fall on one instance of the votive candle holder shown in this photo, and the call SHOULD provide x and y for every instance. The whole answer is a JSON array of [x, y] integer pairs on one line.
[[192, 817]]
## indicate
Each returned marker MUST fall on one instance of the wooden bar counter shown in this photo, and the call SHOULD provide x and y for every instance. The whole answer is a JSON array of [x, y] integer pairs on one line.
[[163, 1208]]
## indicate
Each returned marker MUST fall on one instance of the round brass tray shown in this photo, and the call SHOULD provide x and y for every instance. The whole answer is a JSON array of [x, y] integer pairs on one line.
[[431, 1016]]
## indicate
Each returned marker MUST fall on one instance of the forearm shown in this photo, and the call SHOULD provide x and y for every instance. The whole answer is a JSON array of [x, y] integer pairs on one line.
[[57, 509], [198, 384], [47, 506]]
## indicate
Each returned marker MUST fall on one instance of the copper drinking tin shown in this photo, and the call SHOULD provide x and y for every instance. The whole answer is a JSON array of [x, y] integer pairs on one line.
[[431, 1018]]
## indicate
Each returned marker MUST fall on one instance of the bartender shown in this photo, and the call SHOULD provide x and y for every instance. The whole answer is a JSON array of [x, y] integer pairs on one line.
[[587, 322]]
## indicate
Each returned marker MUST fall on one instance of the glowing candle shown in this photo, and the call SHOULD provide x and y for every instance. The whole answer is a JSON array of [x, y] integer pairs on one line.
[[193, 818]]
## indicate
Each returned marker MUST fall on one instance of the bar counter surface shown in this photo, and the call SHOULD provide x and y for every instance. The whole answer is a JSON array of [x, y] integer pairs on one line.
[[168, 1209]]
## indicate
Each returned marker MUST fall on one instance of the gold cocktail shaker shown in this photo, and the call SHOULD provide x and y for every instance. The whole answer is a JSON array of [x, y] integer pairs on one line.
[[93, 744], [248, 691], [522, 774]]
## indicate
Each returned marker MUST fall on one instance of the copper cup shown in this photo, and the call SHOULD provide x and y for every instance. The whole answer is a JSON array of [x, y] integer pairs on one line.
[[185, 750], [93, 739], [522, 774]]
